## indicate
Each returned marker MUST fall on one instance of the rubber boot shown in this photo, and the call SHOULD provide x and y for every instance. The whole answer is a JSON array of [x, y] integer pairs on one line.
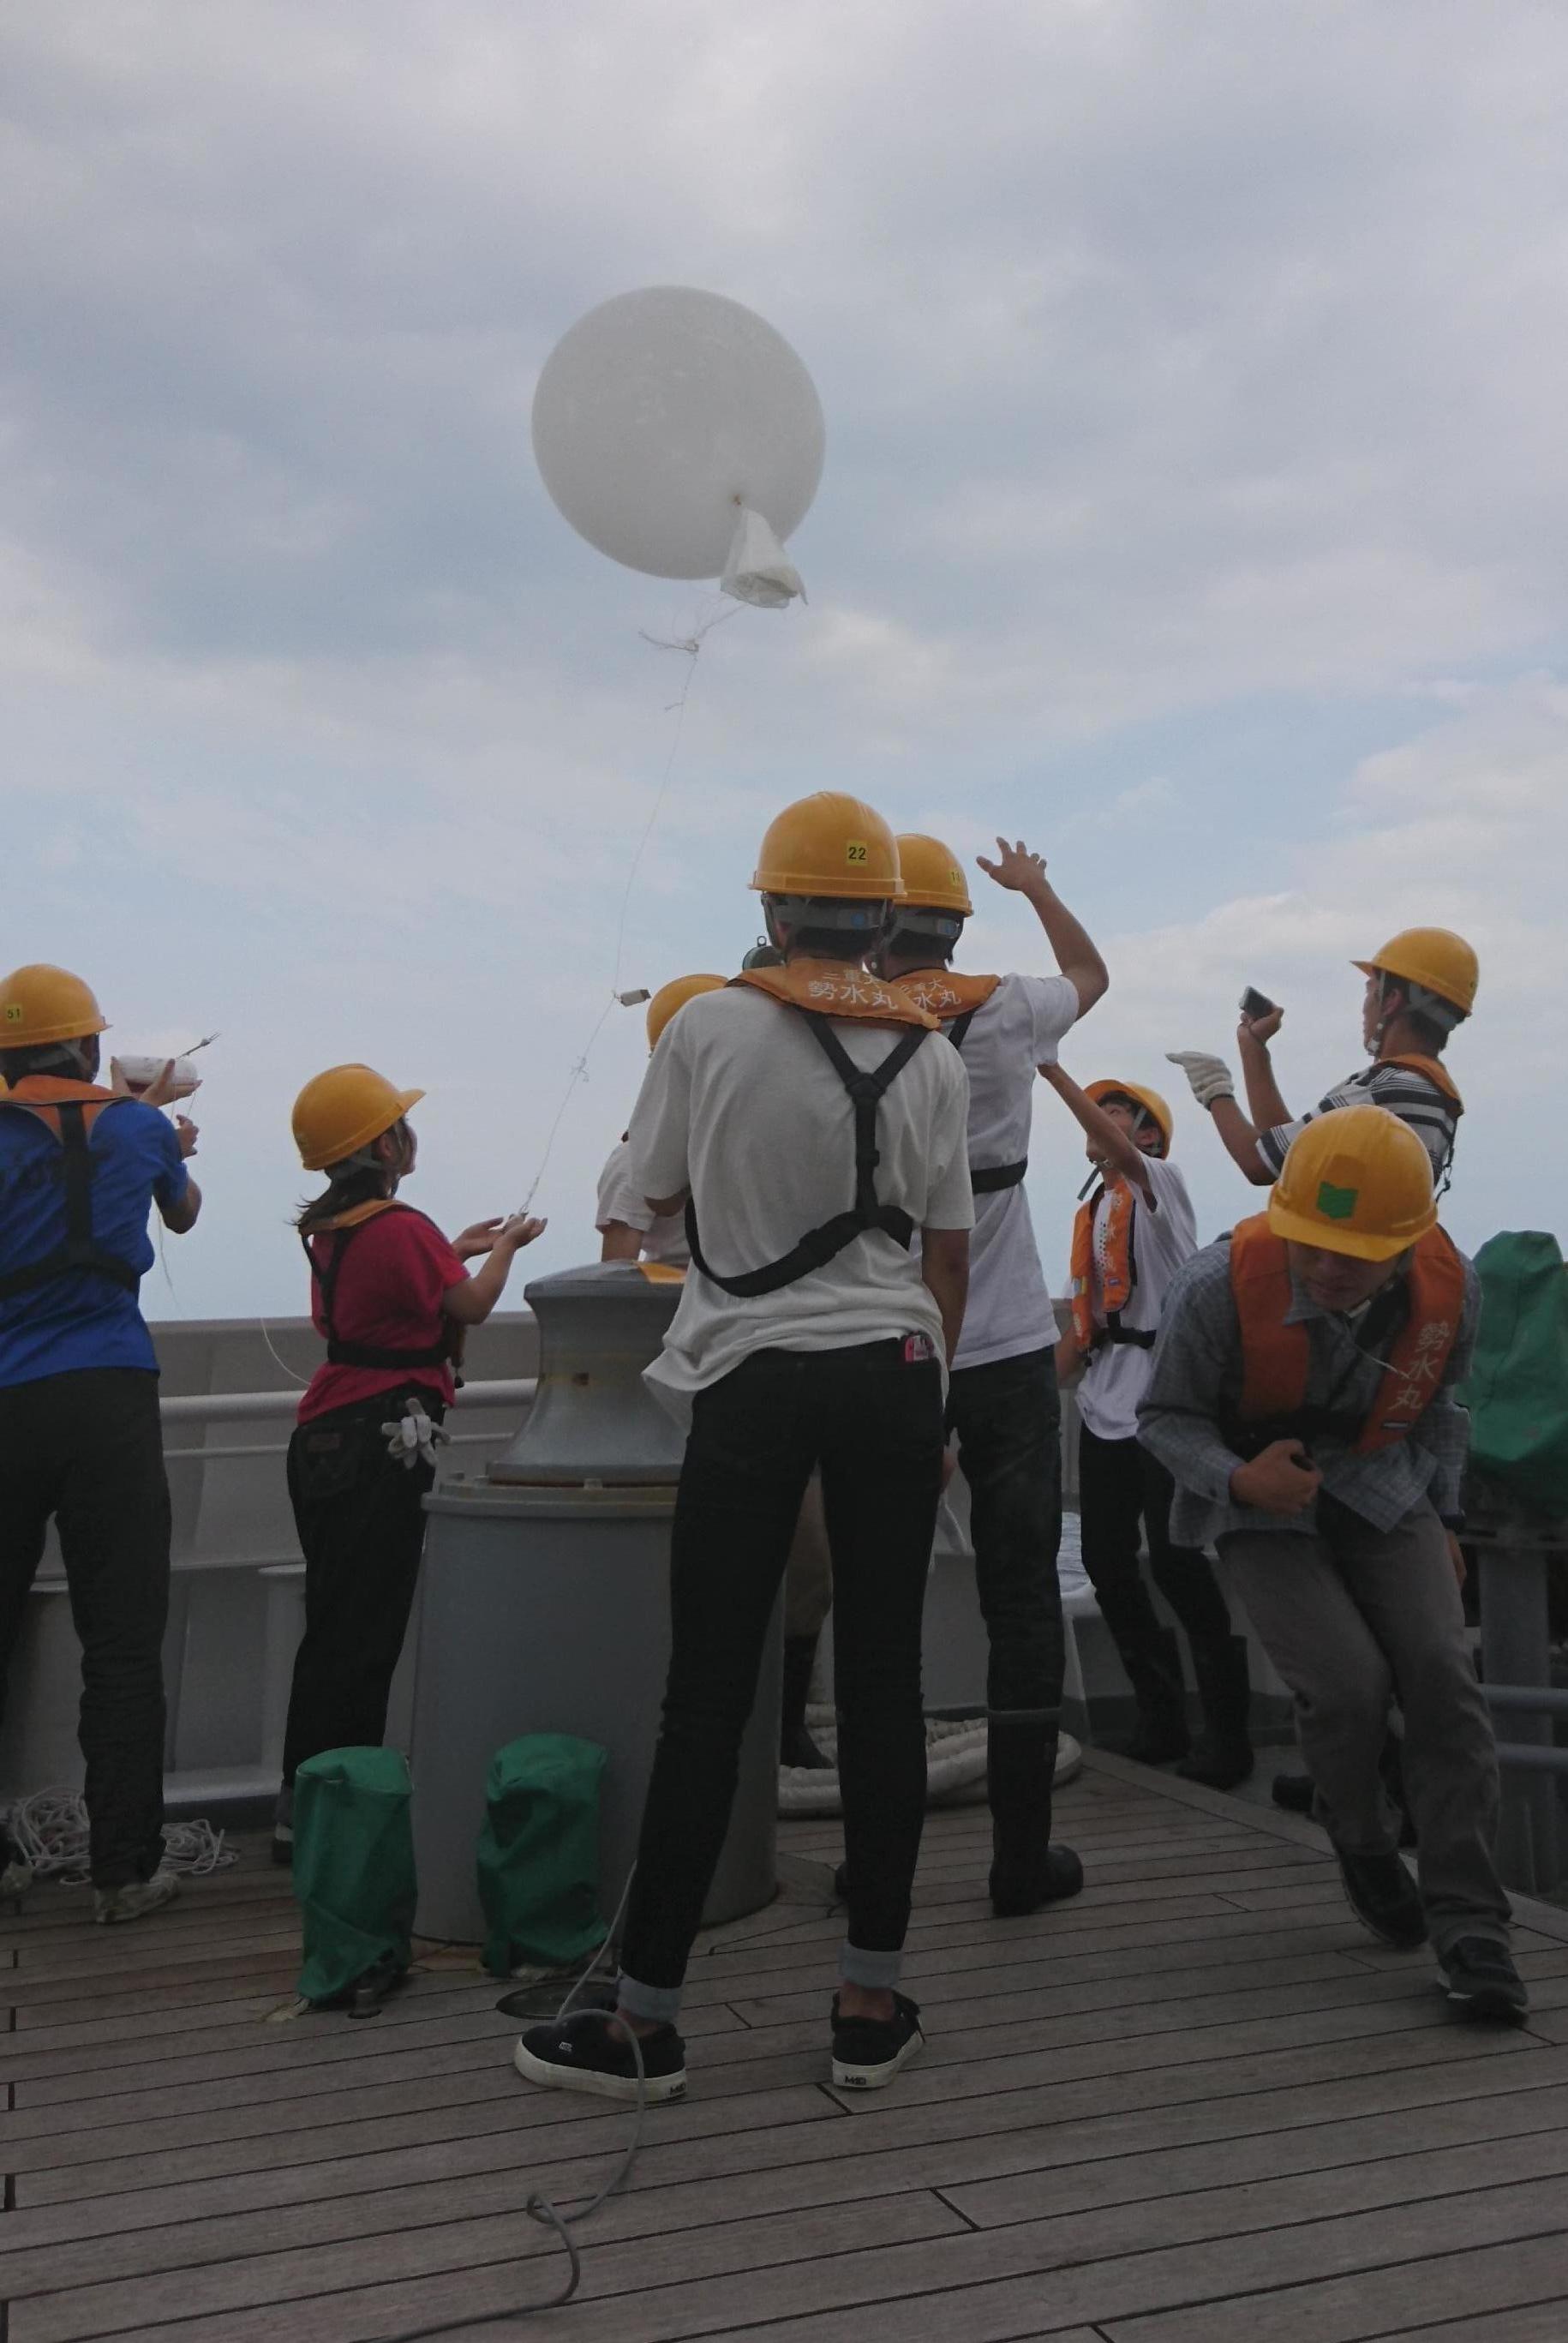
[[1025, 1870], [1153, 1668], [796, 1746], [1223, 1753]]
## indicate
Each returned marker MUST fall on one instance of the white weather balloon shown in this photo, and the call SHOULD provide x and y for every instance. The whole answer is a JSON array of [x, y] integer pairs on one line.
[[663, 417]]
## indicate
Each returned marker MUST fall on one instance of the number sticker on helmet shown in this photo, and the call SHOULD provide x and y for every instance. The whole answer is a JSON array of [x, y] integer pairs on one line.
[[856, 851]]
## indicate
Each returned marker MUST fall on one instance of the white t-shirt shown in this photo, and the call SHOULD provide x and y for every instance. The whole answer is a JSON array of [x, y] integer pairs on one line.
[[1162, 1238], [741, 1105], [621, 1199], [1017, 1029]]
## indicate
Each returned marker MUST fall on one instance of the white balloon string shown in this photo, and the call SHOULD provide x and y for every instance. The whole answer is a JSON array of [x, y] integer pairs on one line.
[[691, 645]]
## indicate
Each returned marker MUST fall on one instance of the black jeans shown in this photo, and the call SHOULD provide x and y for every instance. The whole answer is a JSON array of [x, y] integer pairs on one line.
[[1007, 1418], [359, 1514], [1125, 1493], [87, 1449], [872, 1420]]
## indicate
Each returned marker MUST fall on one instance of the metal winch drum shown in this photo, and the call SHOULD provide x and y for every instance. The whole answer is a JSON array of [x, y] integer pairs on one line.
[[545, 1606]]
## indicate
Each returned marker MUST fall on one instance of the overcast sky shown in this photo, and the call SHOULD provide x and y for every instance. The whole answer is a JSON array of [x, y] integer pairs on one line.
[[1196, 507]]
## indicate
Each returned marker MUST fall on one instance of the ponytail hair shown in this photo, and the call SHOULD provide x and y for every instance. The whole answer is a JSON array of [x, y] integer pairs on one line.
[[362, 1178]]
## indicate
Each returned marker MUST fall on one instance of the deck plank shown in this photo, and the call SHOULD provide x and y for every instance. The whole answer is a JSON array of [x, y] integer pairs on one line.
[[1195, 2105]]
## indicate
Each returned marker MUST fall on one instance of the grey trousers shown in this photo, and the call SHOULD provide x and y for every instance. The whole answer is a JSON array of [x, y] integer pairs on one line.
[[1351, 1615]]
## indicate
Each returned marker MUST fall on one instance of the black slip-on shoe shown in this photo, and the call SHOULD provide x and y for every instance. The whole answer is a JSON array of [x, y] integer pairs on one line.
[[867, 2052], [1018, 1888], [1385, 1898], [1479, 1974], [582, 2053]]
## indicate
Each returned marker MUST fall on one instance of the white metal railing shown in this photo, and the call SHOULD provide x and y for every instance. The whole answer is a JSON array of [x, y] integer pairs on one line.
[[226, 1407], [200, 1408]]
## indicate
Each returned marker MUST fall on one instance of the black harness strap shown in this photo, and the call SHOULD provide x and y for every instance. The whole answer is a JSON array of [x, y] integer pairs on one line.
[[996, 1175], [866, 1216], [80, 1251], [341, 1352], [993, 1176]]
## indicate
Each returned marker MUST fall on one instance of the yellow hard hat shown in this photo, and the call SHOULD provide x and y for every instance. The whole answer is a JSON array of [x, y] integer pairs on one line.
[[931, 877], [675, 995], [1355, 1180], [340, 1111], [1435, 959], [1150, 1100], [40, 1003], [829, 845]]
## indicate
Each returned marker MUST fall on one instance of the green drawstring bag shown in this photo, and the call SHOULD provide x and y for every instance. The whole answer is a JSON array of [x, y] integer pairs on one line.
[[1517, 1390], [538, 1853], [353, 1868]]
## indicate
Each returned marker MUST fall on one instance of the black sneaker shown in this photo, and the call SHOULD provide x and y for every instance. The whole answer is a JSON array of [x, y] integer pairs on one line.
[[1479, 1974], [867, 2052], [581, 2053], [1017, 1889], [1383, 1897]]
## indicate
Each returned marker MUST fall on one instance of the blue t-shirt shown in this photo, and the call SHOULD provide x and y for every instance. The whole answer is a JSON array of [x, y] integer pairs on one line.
[[81, 1320]]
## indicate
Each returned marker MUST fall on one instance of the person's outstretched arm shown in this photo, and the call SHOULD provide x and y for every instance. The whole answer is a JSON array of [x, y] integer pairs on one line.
[[1024, 873], [1212, 1086], [1111, 1145], [471, 1303]]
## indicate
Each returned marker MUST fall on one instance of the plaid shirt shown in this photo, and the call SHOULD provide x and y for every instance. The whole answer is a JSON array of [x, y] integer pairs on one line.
[[1195, 1385]]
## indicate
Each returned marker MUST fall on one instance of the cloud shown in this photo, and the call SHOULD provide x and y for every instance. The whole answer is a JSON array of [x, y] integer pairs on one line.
[[1196, 506], [1467, 826]]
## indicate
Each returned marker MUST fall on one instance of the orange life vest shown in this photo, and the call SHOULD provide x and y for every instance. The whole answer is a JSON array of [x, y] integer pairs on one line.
[[955, 1000], [1275, 1357], [948, 995], [822, 990], [1118, 1269], [827, 988], [68, 1111], [341, 1352], [1436, 1074]]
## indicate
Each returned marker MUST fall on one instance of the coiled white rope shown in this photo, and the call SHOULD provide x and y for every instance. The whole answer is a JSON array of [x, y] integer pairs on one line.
[[49, 1831]]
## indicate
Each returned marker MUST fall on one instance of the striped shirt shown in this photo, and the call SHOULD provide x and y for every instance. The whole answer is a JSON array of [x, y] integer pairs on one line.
[[1195, 1385], [1430, 1113]]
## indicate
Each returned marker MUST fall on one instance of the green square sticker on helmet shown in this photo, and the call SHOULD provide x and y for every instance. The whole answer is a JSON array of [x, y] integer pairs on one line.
[[1336, 1204]]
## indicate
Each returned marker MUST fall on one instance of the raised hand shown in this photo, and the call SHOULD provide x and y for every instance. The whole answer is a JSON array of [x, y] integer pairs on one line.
[[1260, 1030], [1016, 868], [519, 1229]]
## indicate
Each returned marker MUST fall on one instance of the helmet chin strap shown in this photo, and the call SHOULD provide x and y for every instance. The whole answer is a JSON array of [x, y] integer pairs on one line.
[[1385, 1017]]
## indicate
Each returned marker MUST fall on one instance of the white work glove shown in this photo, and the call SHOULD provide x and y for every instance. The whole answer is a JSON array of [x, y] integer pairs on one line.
[[412, 1438], [1210, 1077]]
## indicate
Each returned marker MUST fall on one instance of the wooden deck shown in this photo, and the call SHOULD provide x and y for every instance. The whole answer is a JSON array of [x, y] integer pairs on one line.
[[1194, 2106]]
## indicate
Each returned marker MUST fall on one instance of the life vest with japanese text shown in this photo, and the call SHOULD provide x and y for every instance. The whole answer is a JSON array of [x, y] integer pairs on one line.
[[1276, 1357], [1117, 1268], [956, 1000]]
